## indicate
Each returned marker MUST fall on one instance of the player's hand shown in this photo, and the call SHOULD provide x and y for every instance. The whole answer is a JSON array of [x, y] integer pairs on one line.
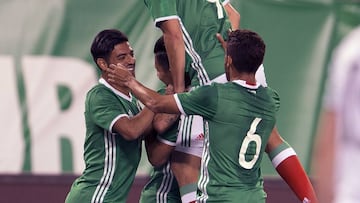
[[119, 75], [222, 41]]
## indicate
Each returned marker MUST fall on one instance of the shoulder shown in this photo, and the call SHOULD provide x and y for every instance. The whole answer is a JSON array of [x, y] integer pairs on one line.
[[273, 96], [272, 92], [99, 88], [99, 93], [206, 89]]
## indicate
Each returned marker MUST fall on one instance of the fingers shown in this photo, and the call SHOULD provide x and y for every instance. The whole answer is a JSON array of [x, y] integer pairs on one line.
[[221, 40], [118, 74], [116, 69]]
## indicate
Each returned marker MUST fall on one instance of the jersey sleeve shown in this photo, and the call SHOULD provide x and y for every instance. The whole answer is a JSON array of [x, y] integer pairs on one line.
[[201, 101], [161, 10], [169, 137], [224, 2], [104, 108], [276, 98]]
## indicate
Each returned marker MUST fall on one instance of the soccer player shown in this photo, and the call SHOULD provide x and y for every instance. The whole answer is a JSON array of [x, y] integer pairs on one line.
[[338, 146], [114, 126], [239, 127], [189, 29], [162, 186]]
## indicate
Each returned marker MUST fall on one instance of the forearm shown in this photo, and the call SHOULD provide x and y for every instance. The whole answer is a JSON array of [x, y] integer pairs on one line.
[[151, 99], [140, 124], [120, 77], [324, 153], [175, 48], [287, 164], [163, 122], [233, 15], [147, 96]]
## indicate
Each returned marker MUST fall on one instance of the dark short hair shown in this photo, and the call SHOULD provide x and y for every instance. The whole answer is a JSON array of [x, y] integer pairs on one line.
[[104, 43], [247, 50], [162, 58], [160, 53]]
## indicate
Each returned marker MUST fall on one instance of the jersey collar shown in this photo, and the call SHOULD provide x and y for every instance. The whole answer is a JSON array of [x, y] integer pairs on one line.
[[247, 85], [117, 92]]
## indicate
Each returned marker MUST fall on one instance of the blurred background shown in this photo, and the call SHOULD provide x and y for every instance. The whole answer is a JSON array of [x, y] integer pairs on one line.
[[47, 70]]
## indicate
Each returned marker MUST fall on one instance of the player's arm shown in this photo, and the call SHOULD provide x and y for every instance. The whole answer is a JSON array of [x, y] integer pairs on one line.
[[175, 49], [324, 154], [163, 121], [233, 15], [153, 100], [160, 145], [287, 164], [158, 152], [120, 76], [133, 127]]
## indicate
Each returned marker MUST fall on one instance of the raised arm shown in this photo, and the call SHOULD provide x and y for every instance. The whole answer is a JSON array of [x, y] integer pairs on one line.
[[175, 49], [234, 16]]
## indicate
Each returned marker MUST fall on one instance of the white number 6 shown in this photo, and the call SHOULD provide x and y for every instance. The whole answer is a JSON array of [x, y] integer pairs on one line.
[[250, 137]]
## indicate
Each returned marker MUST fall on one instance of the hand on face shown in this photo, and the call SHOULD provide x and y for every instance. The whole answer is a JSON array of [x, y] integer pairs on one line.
[[119, 75]]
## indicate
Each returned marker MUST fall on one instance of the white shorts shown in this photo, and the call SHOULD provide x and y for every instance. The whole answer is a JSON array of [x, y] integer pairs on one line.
[[190, 139]]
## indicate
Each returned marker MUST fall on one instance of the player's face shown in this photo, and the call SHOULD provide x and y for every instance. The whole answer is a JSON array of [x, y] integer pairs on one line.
[[163, 74], [123, 54]]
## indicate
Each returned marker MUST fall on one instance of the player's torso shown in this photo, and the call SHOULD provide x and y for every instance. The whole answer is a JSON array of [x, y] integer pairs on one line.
[[235, 142], [205, 55], [111, 161], [200, 23]]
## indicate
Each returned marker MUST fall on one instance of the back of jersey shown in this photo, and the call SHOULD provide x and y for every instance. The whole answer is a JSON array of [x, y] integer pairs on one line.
[[236, 136]]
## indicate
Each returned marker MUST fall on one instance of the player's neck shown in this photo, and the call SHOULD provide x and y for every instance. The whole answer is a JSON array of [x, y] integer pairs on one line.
[[249, 78], [122, 89]]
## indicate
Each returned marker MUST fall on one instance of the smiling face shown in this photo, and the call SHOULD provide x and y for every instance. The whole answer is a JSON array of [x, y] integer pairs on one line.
[[123, 54]]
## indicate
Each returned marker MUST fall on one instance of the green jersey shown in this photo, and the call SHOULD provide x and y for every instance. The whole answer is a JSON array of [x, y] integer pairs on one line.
[[110, 160], [162, 186], [238, 121], [200, 20]]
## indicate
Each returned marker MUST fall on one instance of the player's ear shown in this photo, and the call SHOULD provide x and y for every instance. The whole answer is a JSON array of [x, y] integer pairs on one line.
[[228, 60], [101, 63]]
